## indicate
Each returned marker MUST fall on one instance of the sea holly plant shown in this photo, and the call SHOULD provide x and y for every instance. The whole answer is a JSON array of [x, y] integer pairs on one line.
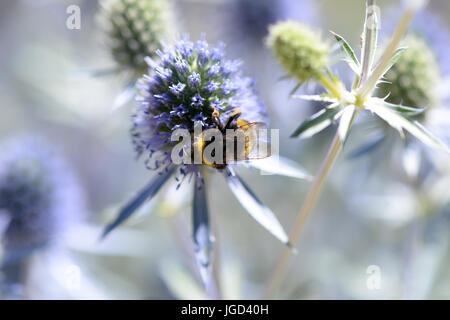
[[302, 54], [414, 81], [192, 86]]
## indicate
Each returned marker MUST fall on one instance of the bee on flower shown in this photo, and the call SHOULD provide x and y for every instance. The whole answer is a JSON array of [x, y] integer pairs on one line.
[[193, 86]]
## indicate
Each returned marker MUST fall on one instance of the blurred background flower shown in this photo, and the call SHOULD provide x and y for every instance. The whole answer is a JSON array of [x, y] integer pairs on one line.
[[134, 30], [40, 198]]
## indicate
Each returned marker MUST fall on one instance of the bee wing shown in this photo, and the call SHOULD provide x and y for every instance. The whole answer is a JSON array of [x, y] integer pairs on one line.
[[255, 144], [259, 146]]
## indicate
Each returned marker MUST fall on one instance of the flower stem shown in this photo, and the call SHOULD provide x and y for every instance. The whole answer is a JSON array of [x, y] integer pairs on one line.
[[367, 57], [330, 85], [213, 287], [304, 212], [368, 86]]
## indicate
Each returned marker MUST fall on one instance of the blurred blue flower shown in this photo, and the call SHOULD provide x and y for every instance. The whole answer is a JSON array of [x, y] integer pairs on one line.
[[39, 199], [39, 194]]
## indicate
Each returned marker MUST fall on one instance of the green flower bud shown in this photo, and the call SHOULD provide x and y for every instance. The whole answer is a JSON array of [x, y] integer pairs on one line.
[[136, 29], [299, 49], [413, 79]]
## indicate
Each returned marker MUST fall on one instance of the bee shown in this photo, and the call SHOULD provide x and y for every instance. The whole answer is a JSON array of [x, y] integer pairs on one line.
[[241, 141]]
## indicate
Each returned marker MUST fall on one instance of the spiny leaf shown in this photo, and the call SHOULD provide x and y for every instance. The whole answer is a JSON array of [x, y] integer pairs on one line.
[[203, 238], [146, 193], [317, 122], [281, 166], [406, 111], [397, 54], [399, 121], [317, 98], [254, 207], [346, 122], [347, 49]]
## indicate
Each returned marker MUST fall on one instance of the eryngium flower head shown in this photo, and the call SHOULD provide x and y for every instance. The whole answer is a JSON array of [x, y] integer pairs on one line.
[[136, 29], [299, 49], [185, 86], [39, 196], [413, 79]]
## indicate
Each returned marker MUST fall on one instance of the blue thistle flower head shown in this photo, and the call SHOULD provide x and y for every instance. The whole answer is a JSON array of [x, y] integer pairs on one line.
[[188, 82], [39, 196]]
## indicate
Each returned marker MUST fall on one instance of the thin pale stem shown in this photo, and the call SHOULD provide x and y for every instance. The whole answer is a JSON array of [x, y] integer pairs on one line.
[[213, 286], [304, 212], [215, 291], [334, 89], [367, 46]]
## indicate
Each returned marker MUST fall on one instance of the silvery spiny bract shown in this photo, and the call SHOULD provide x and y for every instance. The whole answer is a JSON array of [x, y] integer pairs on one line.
[[136, 29], [39, 195]]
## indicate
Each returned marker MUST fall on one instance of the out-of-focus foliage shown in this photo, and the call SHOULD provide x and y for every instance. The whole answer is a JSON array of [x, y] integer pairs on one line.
[[412, 81], [136, 30], [301, 50]]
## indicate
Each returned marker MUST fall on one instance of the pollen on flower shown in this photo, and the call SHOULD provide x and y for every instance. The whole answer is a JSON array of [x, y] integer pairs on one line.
[[188, 82]]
